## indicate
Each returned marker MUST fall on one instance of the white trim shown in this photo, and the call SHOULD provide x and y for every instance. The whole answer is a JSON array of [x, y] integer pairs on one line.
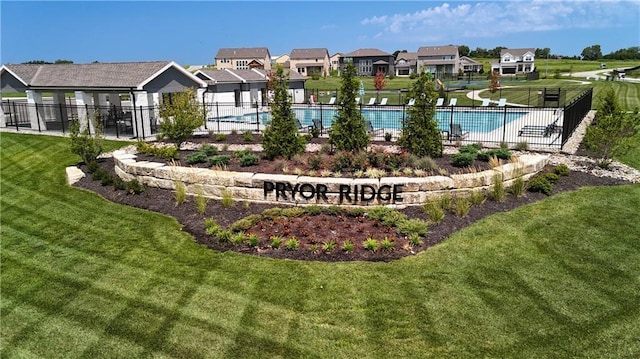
[[205, 74], [165, 68], [4, 67], [236, 76]]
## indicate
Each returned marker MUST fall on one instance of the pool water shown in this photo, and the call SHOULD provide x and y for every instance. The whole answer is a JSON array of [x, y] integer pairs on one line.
[[485, 120]]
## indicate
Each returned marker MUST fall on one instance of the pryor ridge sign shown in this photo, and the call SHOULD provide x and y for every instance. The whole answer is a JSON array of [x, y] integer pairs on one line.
[[351, 193]]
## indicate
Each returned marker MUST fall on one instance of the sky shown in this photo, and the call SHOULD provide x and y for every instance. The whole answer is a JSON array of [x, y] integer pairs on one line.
[[190, 33]]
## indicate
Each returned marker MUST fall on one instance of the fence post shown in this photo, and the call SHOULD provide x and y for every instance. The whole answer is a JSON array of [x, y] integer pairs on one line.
[[141, 120], [504, 124], [218, 116], [38, 117], [257, 118], [15, 119], [321, 126]]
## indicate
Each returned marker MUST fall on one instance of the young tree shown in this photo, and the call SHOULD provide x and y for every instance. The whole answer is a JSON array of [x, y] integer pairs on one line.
[[180, 117], [613, 133], [83, 143], [379, 82], [495, 81], [421, 135], [280, 137], [349, 132]]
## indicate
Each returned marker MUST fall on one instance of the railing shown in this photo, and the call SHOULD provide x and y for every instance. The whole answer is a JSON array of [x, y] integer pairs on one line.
[[546, 127]]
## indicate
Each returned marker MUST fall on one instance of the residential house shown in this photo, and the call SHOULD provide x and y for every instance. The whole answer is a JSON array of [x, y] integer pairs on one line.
[[282, 59], [369, 61], [335, 61], [309, 61], [441, 61], [243, 58], [516, 61], [468, 65], [406, 63]]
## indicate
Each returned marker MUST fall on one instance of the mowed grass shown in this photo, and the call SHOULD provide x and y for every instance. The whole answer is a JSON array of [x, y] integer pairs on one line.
[[85, 278]]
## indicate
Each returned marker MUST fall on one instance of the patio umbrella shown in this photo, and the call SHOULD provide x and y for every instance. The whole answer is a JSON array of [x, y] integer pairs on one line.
[[361, 91]]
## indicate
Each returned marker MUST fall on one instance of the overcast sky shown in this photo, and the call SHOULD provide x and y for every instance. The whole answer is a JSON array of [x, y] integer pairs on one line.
[[191, 33]]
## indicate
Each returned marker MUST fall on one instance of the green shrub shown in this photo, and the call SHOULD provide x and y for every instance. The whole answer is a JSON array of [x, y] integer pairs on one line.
[[134, 187], [329, 246], [415, 240], [518, 187], [501, 153], [348, 246], [201, 201], [224, 236], [211, 227], [434, 211], [540, 183], [249, 159], [477, 197], [237, 238], [180, 195], [219, 160], [522, 146], [387, 244], [370, 244], [209, 150], [463, 205], [119, 184], [93, 166], [227, 198], [471, 148], [561, 170], [552, 177], [463, 159], [292, 244], [197, 157], [106, 180], [388, 136], [221, 137], [247, 136], [276, 241], [84, 144], [413, 226], [253, 240]]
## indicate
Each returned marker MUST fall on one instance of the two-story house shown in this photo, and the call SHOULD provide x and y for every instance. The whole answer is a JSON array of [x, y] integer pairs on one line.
[[335, 61], [468, 64], [516, 61], [440, 61], [406, 63], [369, 61], [309, 61], [243, 58]]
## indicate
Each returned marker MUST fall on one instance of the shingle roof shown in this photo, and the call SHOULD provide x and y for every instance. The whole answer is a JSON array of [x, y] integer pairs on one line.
[[437, 50], [366, 53], [299, 54], [407, 56], [243, 53], [102, 75], [517, 52], [236, 76]]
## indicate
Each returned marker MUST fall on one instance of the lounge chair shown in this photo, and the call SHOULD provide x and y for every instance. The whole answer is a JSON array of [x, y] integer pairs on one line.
[[457, 133], [453, 101], [383, 102], [301, 128], [372, 101], [357, 100], [317, 124], [440, 102], [485, 102], [411, 102], [539, 131], [502, 102], [332, 100], [372, 131]]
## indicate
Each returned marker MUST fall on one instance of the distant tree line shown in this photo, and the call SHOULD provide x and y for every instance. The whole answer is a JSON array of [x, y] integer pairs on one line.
[[42, 62]]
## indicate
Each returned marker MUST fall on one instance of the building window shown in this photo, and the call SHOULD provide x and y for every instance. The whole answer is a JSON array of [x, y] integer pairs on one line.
[[365, 66], [242, 64]]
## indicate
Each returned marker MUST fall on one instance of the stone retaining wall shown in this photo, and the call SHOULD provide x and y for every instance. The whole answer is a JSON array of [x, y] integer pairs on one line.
[[305, 190]]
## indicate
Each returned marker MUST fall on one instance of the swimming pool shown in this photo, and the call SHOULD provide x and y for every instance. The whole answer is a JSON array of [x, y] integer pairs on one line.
[[485, 120]]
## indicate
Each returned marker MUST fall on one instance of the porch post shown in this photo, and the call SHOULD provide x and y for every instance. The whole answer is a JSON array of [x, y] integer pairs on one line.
[[35, 110], [141, 119], [84, 100], [59, 99], [3, 120]]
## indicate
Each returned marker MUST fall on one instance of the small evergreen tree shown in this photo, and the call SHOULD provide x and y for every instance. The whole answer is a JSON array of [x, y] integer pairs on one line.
[[180, 117], [613, 133], [280, 138], [421, 135], [349, 131]]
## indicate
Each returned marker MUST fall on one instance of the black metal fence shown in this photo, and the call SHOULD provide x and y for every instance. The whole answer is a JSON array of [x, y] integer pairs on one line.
[[547, 126]]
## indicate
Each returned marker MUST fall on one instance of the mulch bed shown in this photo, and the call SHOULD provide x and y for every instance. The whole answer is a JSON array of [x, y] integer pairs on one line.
[[317, 230]]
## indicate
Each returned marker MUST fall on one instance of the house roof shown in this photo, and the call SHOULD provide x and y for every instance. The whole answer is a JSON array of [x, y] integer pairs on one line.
[[243, 53], [468, 61], [213, 77], [366, 53], [437, 50], [300, 54], [381, 62], [116, 75], [517, 52], [407, 56]]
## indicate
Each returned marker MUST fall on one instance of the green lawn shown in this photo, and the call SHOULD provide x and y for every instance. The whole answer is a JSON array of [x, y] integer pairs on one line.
[[85, 278]]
